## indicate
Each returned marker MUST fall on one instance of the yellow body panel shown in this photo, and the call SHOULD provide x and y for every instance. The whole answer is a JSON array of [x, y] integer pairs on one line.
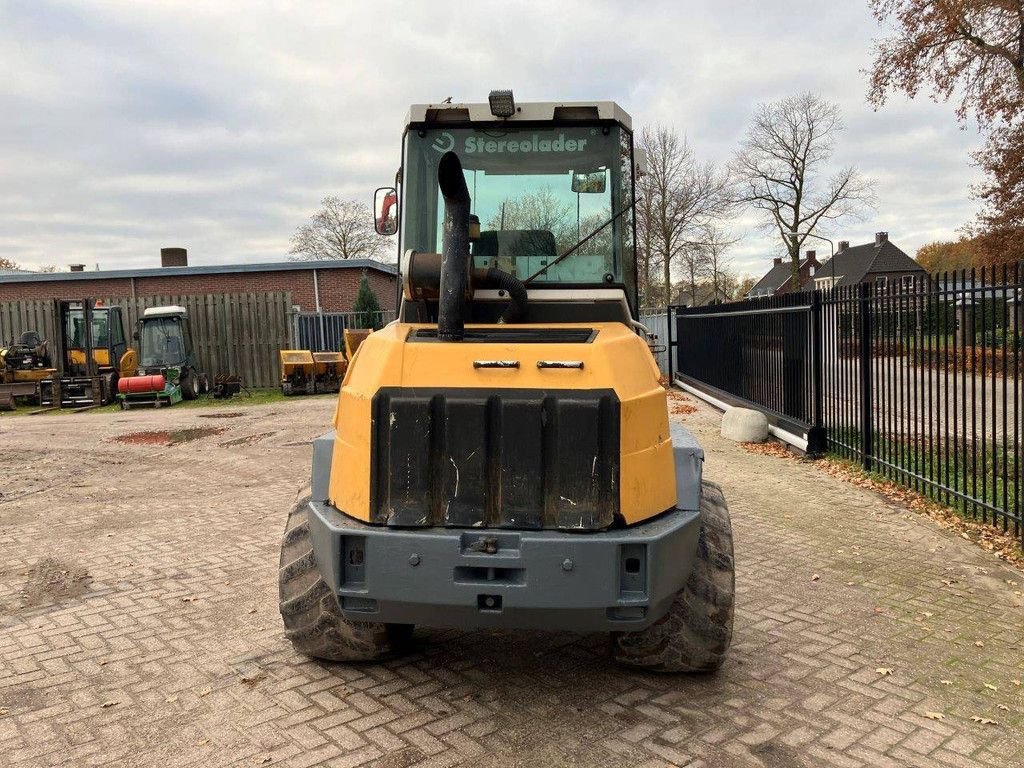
[[25, 377], [128, 365], [100, 356], [616, 359], [310, 363], [293, 360]]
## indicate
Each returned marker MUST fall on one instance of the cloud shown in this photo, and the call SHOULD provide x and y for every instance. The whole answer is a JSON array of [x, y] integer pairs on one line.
[[219, 126]]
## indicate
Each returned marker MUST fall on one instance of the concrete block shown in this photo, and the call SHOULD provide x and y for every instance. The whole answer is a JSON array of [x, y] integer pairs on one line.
[[744, 425]]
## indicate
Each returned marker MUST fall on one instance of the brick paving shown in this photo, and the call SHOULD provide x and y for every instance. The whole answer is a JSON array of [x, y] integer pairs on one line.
[[139, 626]]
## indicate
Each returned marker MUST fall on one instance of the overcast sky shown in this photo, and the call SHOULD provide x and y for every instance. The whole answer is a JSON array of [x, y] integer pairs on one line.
[[127, 126]]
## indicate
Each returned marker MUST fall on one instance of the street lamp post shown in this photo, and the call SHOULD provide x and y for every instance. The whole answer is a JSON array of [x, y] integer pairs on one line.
[[832, 248]]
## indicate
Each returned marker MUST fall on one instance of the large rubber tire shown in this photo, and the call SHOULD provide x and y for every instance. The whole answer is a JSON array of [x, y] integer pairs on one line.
[[312, 620], [695, 634], [190, 385]]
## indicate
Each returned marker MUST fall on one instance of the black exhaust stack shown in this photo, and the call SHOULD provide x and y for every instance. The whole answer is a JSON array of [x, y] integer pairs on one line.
[[455, 249]]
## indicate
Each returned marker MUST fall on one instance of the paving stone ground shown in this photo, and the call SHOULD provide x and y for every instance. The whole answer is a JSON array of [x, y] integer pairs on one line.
[[139, 626]]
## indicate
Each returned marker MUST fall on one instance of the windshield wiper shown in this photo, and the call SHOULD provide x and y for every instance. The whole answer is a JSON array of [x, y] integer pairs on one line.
[[578, 245]]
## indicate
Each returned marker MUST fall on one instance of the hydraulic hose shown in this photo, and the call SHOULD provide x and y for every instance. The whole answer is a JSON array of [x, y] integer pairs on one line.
[[516, 293]]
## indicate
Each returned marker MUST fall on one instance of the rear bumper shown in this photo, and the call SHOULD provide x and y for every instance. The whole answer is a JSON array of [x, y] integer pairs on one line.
[[487, 578]]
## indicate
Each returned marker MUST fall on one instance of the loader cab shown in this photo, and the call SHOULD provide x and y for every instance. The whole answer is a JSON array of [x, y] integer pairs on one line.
[[540, 181], [108, 340]]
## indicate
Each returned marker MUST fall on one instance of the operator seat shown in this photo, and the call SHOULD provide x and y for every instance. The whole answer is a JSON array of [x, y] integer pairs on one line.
[[174, 350], [501, 248]]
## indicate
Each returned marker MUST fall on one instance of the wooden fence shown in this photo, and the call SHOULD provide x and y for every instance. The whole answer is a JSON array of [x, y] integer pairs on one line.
[[238, 333]]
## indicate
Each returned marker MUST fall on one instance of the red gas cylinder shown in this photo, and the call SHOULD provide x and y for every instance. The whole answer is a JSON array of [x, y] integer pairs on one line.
[[140, 384]]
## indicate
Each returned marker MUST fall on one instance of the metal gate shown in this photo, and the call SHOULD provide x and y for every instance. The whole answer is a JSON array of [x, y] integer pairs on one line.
[[325, 331]]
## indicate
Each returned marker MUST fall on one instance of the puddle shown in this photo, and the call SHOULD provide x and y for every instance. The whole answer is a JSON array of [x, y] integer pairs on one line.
[[168, 436], [231, 415]]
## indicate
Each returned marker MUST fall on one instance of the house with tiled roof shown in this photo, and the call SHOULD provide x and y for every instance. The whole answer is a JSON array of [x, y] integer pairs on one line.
[[880, 262], [779, 278]]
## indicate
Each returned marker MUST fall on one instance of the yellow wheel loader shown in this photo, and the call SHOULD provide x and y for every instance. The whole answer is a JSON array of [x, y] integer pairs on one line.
[[502, 455]]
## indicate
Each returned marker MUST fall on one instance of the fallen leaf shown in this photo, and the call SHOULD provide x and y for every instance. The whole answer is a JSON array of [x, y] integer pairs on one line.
[[111, 703], [884, 671], [946, 682], [251, 678], [189, 599], [103, 663], [202, 742], [171, 699], [935, 715], [983, 720], [991, 687], [266, 759], [204, 691], [815, 577], [4, 711], [1016, 682], [928, 614], [979, 643], [252, 610], [1003, 707], [850, 583]]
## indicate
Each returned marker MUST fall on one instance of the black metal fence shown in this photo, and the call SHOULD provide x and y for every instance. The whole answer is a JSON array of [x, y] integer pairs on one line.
[[918, 378], [325, 331]]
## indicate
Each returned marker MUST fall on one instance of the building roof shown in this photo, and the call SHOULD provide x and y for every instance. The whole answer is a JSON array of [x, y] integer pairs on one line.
[[776, 277], [852, 264], [208, 269]]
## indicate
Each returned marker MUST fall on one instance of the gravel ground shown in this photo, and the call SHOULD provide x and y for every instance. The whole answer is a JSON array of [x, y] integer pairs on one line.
[[139, 626]]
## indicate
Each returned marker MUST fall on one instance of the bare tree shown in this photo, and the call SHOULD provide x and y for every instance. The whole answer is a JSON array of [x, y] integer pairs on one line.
[[779, 171], [541, 211], [679, 197], [648, 244], [723, 282], [341, 229], [693, 260]]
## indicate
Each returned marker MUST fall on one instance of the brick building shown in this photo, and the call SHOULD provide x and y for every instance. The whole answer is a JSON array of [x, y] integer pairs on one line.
[[779, 279], [880, 262], [334, 282]]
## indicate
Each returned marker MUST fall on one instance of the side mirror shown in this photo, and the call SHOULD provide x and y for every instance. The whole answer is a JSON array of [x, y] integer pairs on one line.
[[385, 211], [589, 182]]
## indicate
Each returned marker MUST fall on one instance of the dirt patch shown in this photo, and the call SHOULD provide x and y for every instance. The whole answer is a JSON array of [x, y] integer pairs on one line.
[[51, 581], [168, 437], [247, 440], [229, 415]]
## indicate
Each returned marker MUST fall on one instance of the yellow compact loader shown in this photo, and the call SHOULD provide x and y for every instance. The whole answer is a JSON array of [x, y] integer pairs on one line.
[[502, 455], [310, 373]]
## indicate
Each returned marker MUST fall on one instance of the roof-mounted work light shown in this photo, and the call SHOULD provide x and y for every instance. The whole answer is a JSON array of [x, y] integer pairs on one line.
[[502, 103]]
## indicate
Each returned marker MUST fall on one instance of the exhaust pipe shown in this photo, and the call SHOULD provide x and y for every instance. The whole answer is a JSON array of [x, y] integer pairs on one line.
[[455, 249]]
